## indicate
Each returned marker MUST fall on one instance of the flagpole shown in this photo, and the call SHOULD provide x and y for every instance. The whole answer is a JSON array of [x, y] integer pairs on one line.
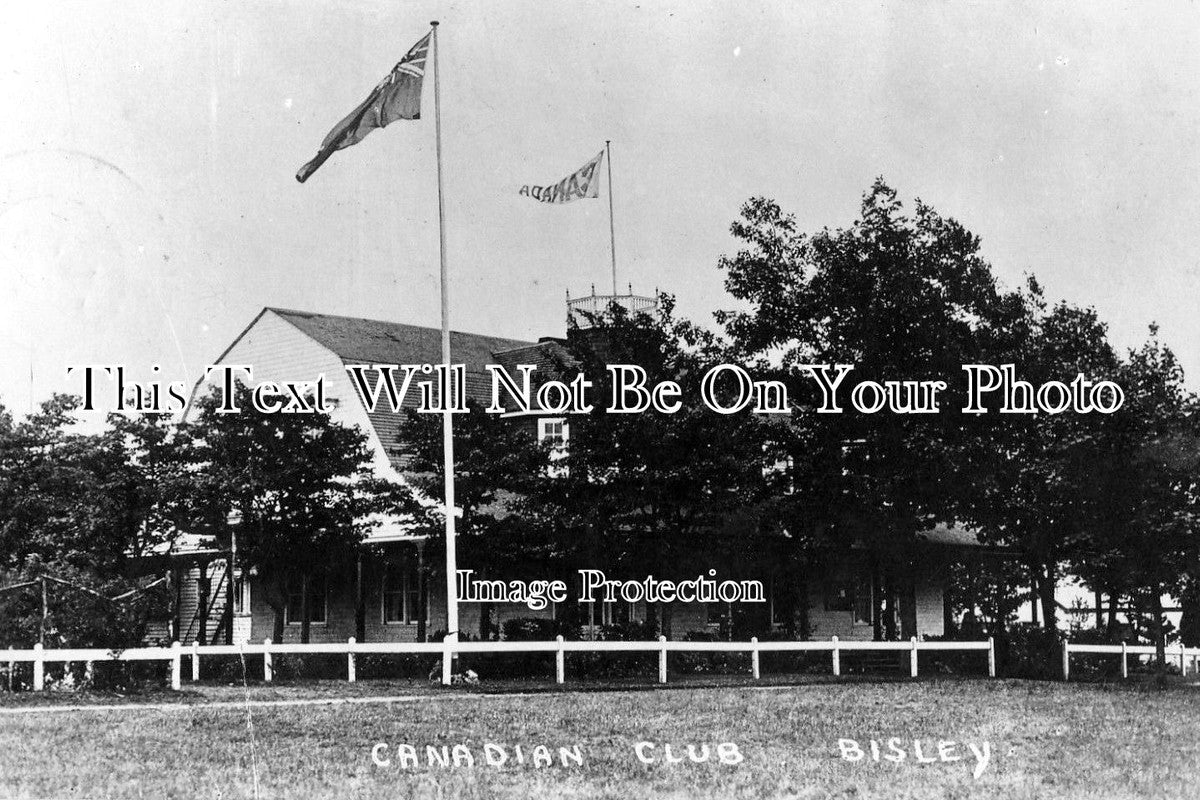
[[447, 417], [612, 234]]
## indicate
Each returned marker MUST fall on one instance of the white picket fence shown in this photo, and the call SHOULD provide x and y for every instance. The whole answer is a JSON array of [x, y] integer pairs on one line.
[[449, 648], [1184, 654]]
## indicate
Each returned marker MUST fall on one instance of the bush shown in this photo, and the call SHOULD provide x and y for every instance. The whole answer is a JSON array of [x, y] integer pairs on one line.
[[1029, 652], [398, 666], [309, 666], [229, 669], [76, 618], [126, 677], [943, 662], [711, 663], [810, 663], [536, 629]]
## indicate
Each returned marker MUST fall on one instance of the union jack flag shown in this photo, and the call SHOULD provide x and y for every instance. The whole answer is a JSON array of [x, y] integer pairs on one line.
[[398, 96]]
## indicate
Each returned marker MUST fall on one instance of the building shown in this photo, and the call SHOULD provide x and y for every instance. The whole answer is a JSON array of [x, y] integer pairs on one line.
[[383, 595]]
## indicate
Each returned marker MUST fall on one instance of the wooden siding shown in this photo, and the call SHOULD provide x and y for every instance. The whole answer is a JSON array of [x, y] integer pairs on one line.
[[279, 351]]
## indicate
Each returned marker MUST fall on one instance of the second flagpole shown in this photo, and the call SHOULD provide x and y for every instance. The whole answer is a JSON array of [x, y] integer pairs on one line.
[[447, 416], [612, 230]]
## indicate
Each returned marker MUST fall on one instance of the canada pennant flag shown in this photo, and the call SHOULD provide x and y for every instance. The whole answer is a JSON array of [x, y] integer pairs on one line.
[[581, 183]]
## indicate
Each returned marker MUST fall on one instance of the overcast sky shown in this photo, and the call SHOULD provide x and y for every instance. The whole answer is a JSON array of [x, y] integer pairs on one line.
[[148, 207]]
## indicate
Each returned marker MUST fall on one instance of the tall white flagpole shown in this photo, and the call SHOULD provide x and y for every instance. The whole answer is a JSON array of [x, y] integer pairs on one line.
[[447, 416], [612, 231]]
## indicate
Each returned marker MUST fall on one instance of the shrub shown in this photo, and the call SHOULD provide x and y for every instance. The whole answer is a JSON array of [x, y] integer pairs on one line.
[[400, 665], [943, 662], [710, 663], [804, 663], [536, 629], [1029, 652]]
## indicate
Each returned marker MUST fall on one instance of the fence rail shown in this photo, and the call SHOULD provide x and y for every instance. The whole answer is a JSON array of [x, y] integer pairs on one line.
[[1127, 650], [448, 649]]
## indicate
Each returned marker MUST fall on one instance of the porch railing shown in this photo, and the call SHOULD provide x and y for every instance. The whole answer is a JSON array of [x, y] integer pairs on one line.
[[448, 649]]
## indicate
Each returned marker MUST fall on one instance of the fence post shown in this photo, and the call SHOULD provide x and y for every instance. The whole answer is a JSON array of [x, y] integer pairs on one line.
[[991, 657], [1066, 658], [11, 667], [837, 657], [446, 657], [195, 661], [754, 665], [268, 672], [1182, 667], [351, 672], [560, 661], [912, 659], [1124, 661], [176, 658], [662, 659], [39, 668]]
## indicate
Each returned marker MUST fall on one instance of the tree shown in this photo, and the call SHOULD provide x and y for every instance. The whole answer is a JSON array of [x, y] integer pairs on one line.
[[496, 459], [301, 485], [667, 494], [901, 298], [74, 508], [1146, 487], [676, 494], [1035, 490]]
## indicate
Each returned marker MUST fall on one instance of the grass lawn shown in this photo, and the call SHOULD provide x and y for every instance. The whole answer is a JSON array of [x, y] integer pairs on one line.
[[1043, 740]]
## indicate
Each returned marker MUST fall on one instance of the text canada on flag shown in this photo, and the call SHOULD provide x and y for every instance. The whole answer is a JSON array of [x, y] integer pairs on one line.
[[579, 184]]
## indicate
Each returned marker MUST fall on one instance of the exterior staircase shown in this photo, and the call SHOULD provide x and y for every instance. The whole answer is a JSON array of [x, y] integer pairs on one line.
[[211, 609]]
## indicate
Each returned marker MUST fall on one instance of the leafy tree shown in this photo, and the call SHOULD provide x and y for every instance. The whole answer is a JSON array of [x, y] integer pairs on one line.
[[1146, 488], [665, 494], [1035, 489], [902, 298], [73, 517], [676, 494], [301, 485], [496, 459]]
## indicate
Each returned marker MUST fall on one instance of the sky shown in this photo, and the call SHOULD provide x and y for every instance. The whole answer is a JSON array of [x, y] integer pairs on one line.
[[148, 208]]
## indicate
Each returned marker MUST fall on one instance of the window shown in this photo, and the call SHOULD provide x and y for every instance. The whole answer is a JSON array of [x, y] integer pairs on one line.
[[781, 469], [781, 601], [401, 598], [864, 600], [619, 612], [852, 593], [555, 433], [839, 596], [241, 595], [719, 613], [318, 596]]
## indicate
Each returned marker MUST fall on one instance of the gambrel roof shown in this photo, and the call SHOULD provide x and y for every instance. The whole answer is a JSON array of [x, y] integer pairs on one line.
[[354, 340], [370, 341]]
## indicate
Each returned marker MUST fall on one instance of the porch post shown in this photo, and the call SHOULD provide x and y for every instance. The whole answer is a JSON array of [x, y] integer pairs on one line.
[[177, 611], [422, 595], [876, 599], [202, 598], [360, 606], [229, 599]]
